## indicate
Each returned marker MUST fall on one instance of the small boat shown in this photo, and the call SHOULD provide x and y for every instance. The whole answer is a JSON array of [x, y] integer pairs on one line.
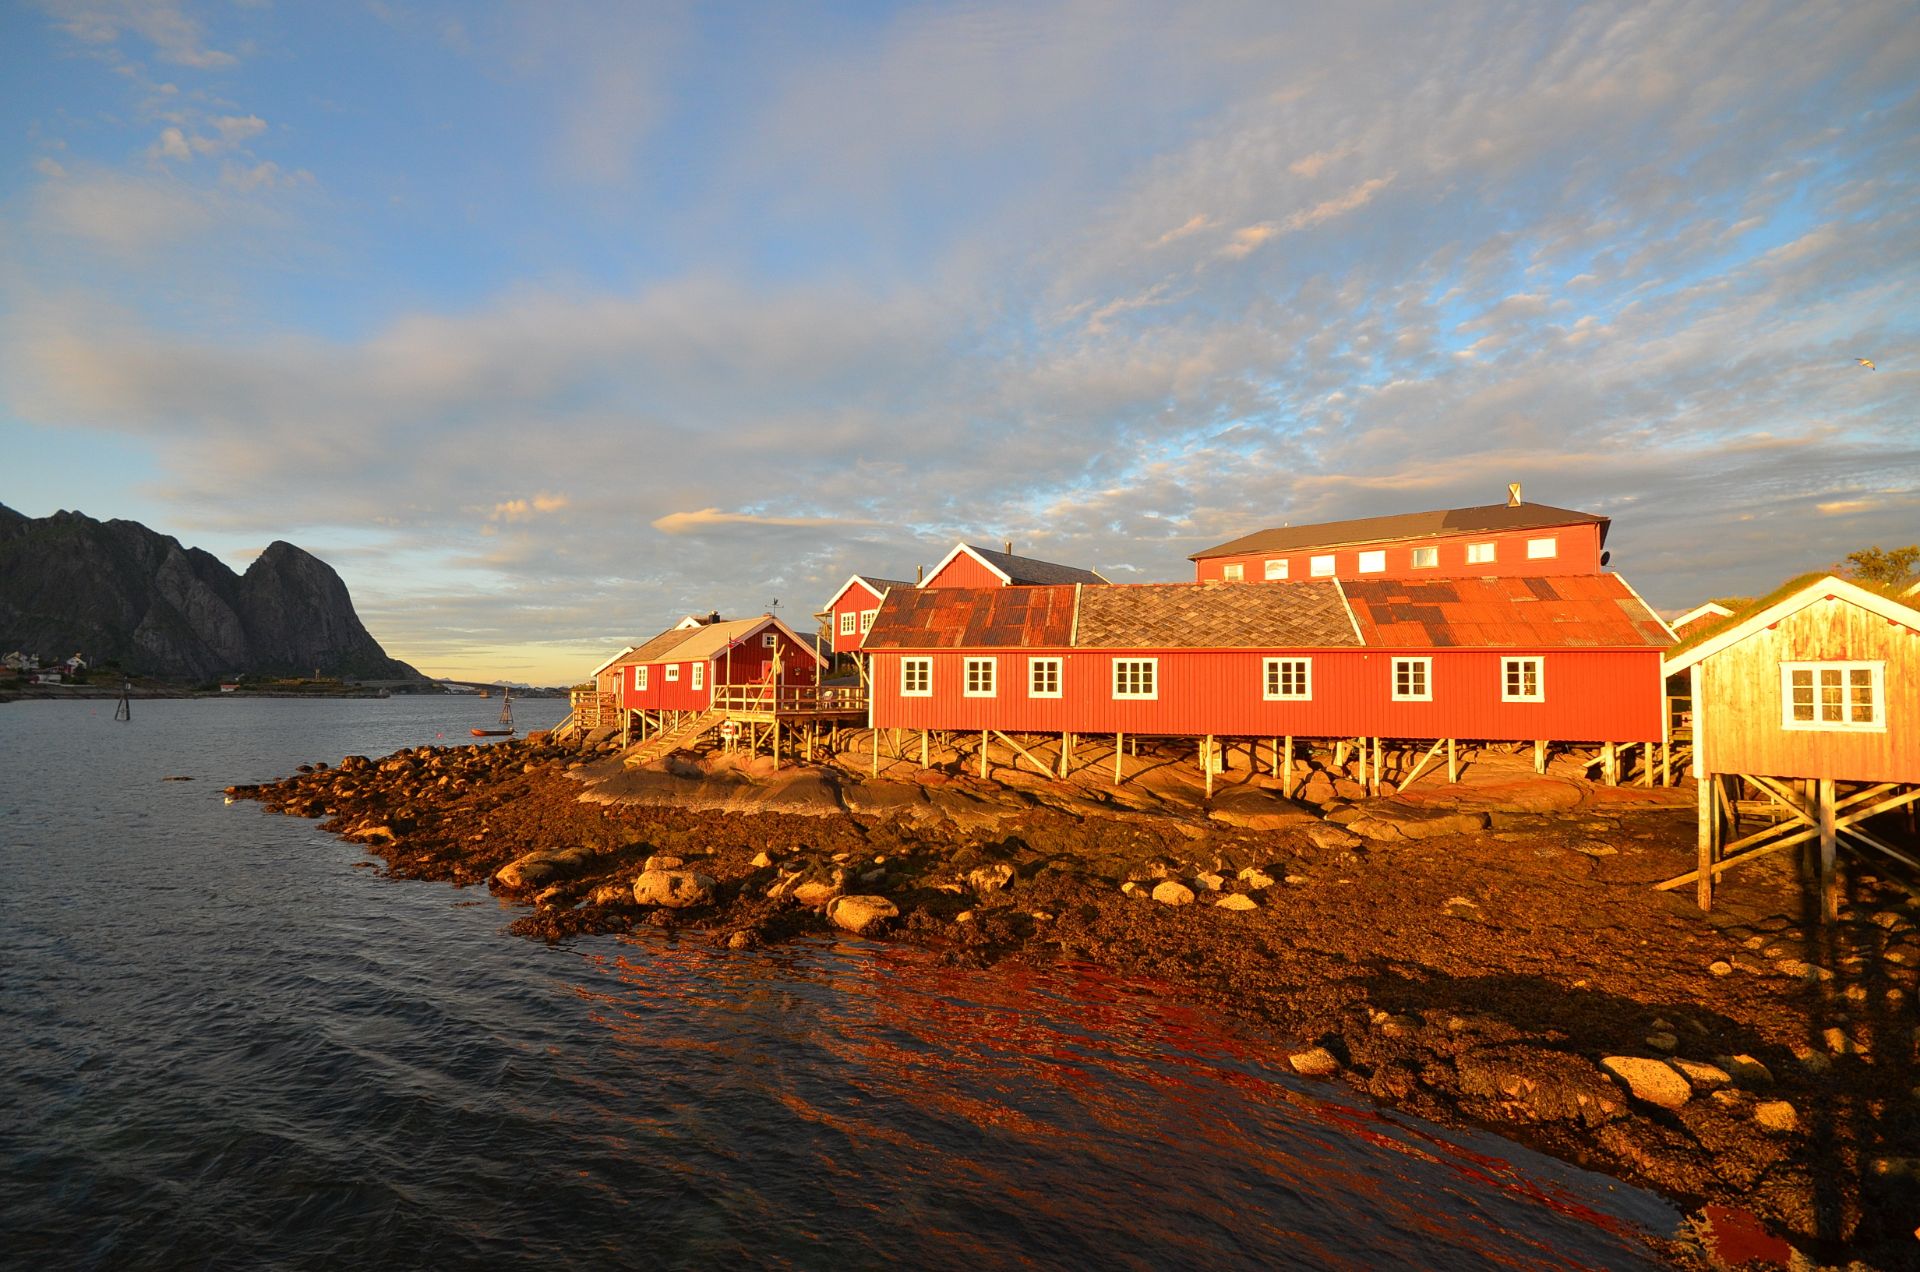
[[506, 721]]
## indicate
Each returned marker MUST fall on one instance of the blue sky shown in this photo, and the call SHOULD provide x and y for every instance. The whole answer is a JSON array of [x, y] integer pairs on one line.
[[547, 322]]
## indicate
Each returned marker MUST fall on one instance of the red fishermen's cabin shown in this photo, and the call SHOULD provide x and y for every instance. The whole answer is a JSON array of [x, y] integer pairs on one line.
[[1508, 540], [850, 612], [677, 670], [970, 566], [1565, 659]]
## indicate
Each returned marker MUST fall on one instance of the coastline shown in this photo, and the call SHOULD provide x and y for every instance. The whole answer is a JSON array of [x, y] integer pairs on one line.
[[1544, 952]]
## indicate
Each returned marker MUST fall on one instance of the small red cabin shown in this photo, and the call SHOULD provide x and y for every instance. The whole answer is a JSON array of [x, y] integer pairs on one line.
[[677, 670], [970, 566], [850, 612], [1505, 540]]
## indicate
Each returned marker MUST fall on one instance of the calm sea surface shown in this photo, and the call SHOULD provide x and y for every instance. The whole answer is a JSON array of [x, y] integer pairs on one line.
[[224, 1045]]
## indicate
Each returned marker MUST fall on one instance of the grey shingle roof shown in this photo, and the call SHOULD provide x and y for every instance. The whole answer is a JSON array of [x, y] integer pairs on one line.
[[1214, 616], [1030, 572]]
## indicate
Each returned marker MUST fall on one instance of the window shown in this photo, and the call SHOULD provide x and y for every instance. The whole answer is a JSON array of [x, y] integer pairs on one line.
[[1136, 678], [1289, 679], [699, 675], [979, 678], [673, 673], [1521, 680], [1480, 553], [1426, 558], [1373, 563], [770, 640], [1542, 549], [916, 677], [1832, 695], [1410, 680], [866, 620], [1043, 677], [1277, 568], [847, 623], [1321, 567], [1233, 573], [640, 677]]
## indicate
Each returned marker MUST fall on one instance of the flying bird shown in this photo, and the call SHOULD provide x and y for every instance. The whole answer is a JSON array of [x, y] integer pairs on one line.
[[1865, 362]]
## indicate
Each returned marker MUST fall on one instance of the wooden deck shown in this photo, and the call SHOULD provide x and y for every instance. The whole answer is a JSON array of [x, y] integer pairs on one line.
[[766, 704]]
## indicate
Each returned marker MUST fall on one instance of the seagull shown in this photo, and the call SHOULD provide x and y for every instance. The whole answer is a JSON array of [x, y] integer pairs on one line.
[[1865, 362]]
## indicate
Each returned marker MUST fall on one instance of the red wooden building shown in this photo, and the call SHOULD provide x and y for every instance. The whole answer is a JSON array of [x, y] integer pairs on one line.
[[678, 669], [971, 566], [1573, 658], [1513, 539], [849, 612]]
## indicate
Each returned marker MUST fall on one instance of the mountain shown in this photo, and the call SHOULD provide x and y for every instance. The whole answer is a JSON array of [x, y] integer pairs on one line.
[[117, 591]]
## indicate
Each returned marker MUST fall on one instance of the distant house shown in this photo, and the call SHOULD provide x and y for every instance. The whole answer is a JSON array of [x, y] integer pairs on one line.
[[1514, 539], [849, 612], [74, 665], [678, 670], [19, 661], [229, 686], [1804, 693], [970, 566], [1698, 618]]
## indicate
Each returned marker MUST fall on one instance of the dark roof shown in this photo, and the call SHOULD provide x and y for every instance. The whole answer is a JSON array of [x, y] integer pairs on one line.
[[659, 645], [1029, 572], [1556, 611], [973, 618], [874, 580], [1405, 525], [1302, 615]]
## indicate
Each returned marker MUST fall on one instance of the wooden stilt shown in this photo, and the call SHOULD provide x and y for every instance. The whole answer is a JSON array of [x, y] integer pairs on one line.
[[1829, 890], [1206, 763], [1540, 755], [1709, 813], [876, 752], [1376, 766], [1646, 764], [923, 748], [1340, 758], [1363, 762], [1119, 745], [1609, 764], [776, 745], [983, 755], [1286, 776], [1063, 755], [1453, 762]]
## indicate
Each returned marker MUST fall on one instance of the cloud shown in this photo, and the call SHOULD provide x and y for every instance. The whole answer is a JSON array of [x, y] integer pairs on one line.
[[705, 518], [522, 509], [175, 37]]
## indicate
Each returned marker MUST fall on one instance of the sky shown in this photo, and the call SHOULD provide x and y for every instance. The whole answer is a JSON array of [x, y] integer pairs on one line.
[[545, 323]]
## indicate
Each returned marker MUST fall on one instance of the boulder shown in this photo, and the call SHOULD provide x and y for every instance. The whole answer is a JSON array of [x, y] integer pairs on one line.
[[1532, 1084], [986, 879], [815, 893], [537, 868], [1315, 1062], [1386, 820], [1255, 878], [1704, 1077], [1210, 881], [1237, 901], [1746, 1071], [1254, 808], [1777, 1116], [672, 889], [860, 914], [664, 863], [1332, 838], [1650, 1081], [1169, 892], [761, 860]]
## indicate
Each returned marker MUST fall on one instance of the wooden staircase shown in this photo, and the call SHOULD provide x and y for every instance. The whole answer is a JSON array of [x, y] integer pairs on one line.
[[667, 743]]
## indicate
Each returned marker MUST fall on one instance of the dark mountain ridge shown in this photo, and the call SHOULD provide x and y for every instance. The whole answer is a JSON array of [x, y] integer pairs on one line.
[[117, 591]]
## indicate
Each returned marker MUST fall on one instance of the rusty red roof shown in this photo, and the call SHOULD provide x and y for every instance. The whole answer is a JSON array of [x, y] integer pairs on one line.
[[973, 618], [1596, 611]]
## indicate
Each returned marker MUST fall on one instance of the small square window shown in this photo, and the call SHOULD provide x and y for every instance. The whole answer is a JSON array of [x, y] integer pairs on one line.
[[770, 640], [1136, 678], [1843, 696], [1233, 573], [1288, 679], [979, 678], [640, 677], [1043, 677], [1426, 558], [866, 620], [1321, 567], [699, 675], [673, 673], [1542, 549], [1277, 568], [849, 623], [916, 677], [1521, 680], [1373, 562], [1480, 553], [1411, 680]]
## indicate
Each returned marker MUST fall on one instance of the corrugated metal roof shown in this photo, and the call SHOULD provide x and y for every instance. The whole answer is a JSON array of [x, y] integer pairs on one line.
[[973, 618], [1406, 525], [1306, 615], [1560, 611]]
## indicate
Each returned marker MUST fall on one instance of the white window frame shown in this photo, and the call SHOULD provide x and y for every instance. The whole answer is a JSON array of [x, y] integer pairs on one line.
[[1035, 666], [991, 666], [1233, 572], [1152, 689], [1483, 553], [1323, 567], [640, 678], [1374, 562], [1270, 570], [770, 640], [1425, 693], [924, 666], [1543, 549], [673, 673], [699, 677], [1507, 693], [1273, 680], [849, 623], [1433, 552], [1877, 685], [866, 620]]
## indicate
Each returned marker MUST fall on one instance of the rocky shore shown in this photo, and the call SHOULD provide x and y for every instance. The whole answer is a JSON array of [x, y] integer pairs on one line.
[[1489, 953]]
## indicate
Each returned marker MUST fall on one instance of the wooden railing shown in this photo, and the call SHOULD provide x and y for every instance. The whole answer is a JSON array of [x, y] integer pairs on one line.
[[790, 699]]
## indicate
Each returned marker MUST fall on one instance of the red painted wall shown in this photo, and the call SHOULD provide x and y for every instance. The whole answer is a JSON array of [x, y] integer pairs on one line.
[[964, 571], [1579, 553], [1591, 695], [748, 663], [855, 600]]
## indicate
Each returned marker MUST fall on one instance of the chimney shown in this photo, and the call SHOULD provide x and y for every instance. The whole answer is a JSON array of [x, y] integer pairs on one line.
[[919, 574], [713, 618], [1009, 547], [1513, 494]]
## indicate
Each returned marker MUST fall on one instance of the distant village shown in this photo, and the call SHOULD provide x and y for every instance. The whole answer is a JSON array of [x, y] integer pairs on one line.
[[1496, 625]]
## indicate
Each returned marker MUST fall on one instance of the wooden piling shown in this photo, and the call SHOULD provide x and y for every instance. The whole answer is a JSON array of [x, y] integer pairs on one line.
[[1119, 745], [1709, 812], [1453, 763]]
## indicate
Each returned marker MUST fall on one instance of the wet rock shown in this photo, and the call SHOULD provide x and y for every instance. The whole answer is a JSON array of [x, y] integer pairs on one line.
[[741, 940], [1210, 881], [664, 863], [1838, 1042], [1237, 901], [1702, 1077], [1720, 967], [1169, 892], [1315, 1062], [1531, 1085], [672, 889], [1777, 1116], [861, 914], [610, 894], [761, 860], [1650, 1081], [537, 868], [815, 894], [1663, 1042], [989, 879], [1256, 878]]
